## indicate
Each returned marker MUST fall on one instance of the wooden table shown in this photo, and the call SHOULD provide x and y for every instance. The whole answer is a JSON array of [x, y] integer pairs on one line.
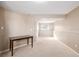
[[12, 39]]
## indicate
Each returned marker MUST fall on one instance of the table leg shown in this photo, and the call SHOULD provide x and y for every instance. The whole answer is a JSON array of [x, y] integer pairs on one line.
[[32, 42], [10, 45], [11, 48], [27, 41]]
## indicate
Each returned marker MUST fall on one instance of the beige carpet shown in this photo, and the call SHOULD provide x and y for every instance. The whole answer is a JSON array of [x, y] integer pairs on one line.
[[44, 48]]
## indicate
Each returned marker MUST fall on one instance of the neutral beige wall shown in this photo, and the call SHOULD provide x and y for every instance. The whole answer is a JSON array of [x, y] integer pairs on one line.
[[22, 24], [16, 24], [19, 24], [67, 30], [3, 31]]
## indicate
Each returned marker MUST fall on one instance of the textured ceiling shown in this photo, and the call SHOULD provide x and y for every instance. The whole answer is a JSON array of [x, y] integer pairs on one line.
[[31, 7]]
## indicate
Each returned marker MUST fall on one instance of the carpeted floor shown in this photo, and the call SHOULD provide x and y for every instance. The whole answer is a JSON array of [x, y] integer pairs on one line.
[[43, 48]]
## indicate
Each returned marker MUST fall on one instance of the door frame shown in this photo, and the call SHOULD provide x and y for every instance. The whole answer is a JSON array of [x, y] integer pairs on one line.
[[37, 27]]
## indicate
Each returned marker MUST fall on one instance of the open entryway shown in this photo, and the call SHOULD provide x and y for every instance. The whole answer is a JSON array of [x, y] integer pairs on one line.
[[45, 29]]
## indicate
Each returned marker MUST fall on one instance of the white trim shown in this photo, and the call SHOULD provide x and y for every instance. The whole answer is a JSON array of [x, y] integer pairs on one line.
[[14, 48], [4, 51], [68, 47], [70, 31], [26, 44]]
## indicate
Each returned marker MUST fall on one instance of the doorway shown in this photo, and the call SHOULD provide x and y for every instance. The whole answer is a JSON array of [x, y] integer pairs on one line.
[[45, 29]]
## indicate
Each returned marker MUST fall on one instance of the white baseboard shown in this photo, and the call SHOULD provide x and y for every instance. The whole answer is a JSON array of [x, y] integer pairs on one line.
[[69, 47], [4, 51], [14, 48], [20, 46]]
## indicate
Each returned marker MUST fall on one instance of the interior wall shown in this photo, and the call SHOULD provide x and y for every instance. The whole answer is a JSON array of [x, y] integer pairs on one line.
[[23, 24], [67, 30], [17, 24], [3, 31]]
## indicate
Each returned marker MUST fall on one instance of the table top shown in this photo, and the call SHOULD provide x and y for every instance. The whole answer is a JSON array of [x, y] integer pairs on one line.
[[20, 37]]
